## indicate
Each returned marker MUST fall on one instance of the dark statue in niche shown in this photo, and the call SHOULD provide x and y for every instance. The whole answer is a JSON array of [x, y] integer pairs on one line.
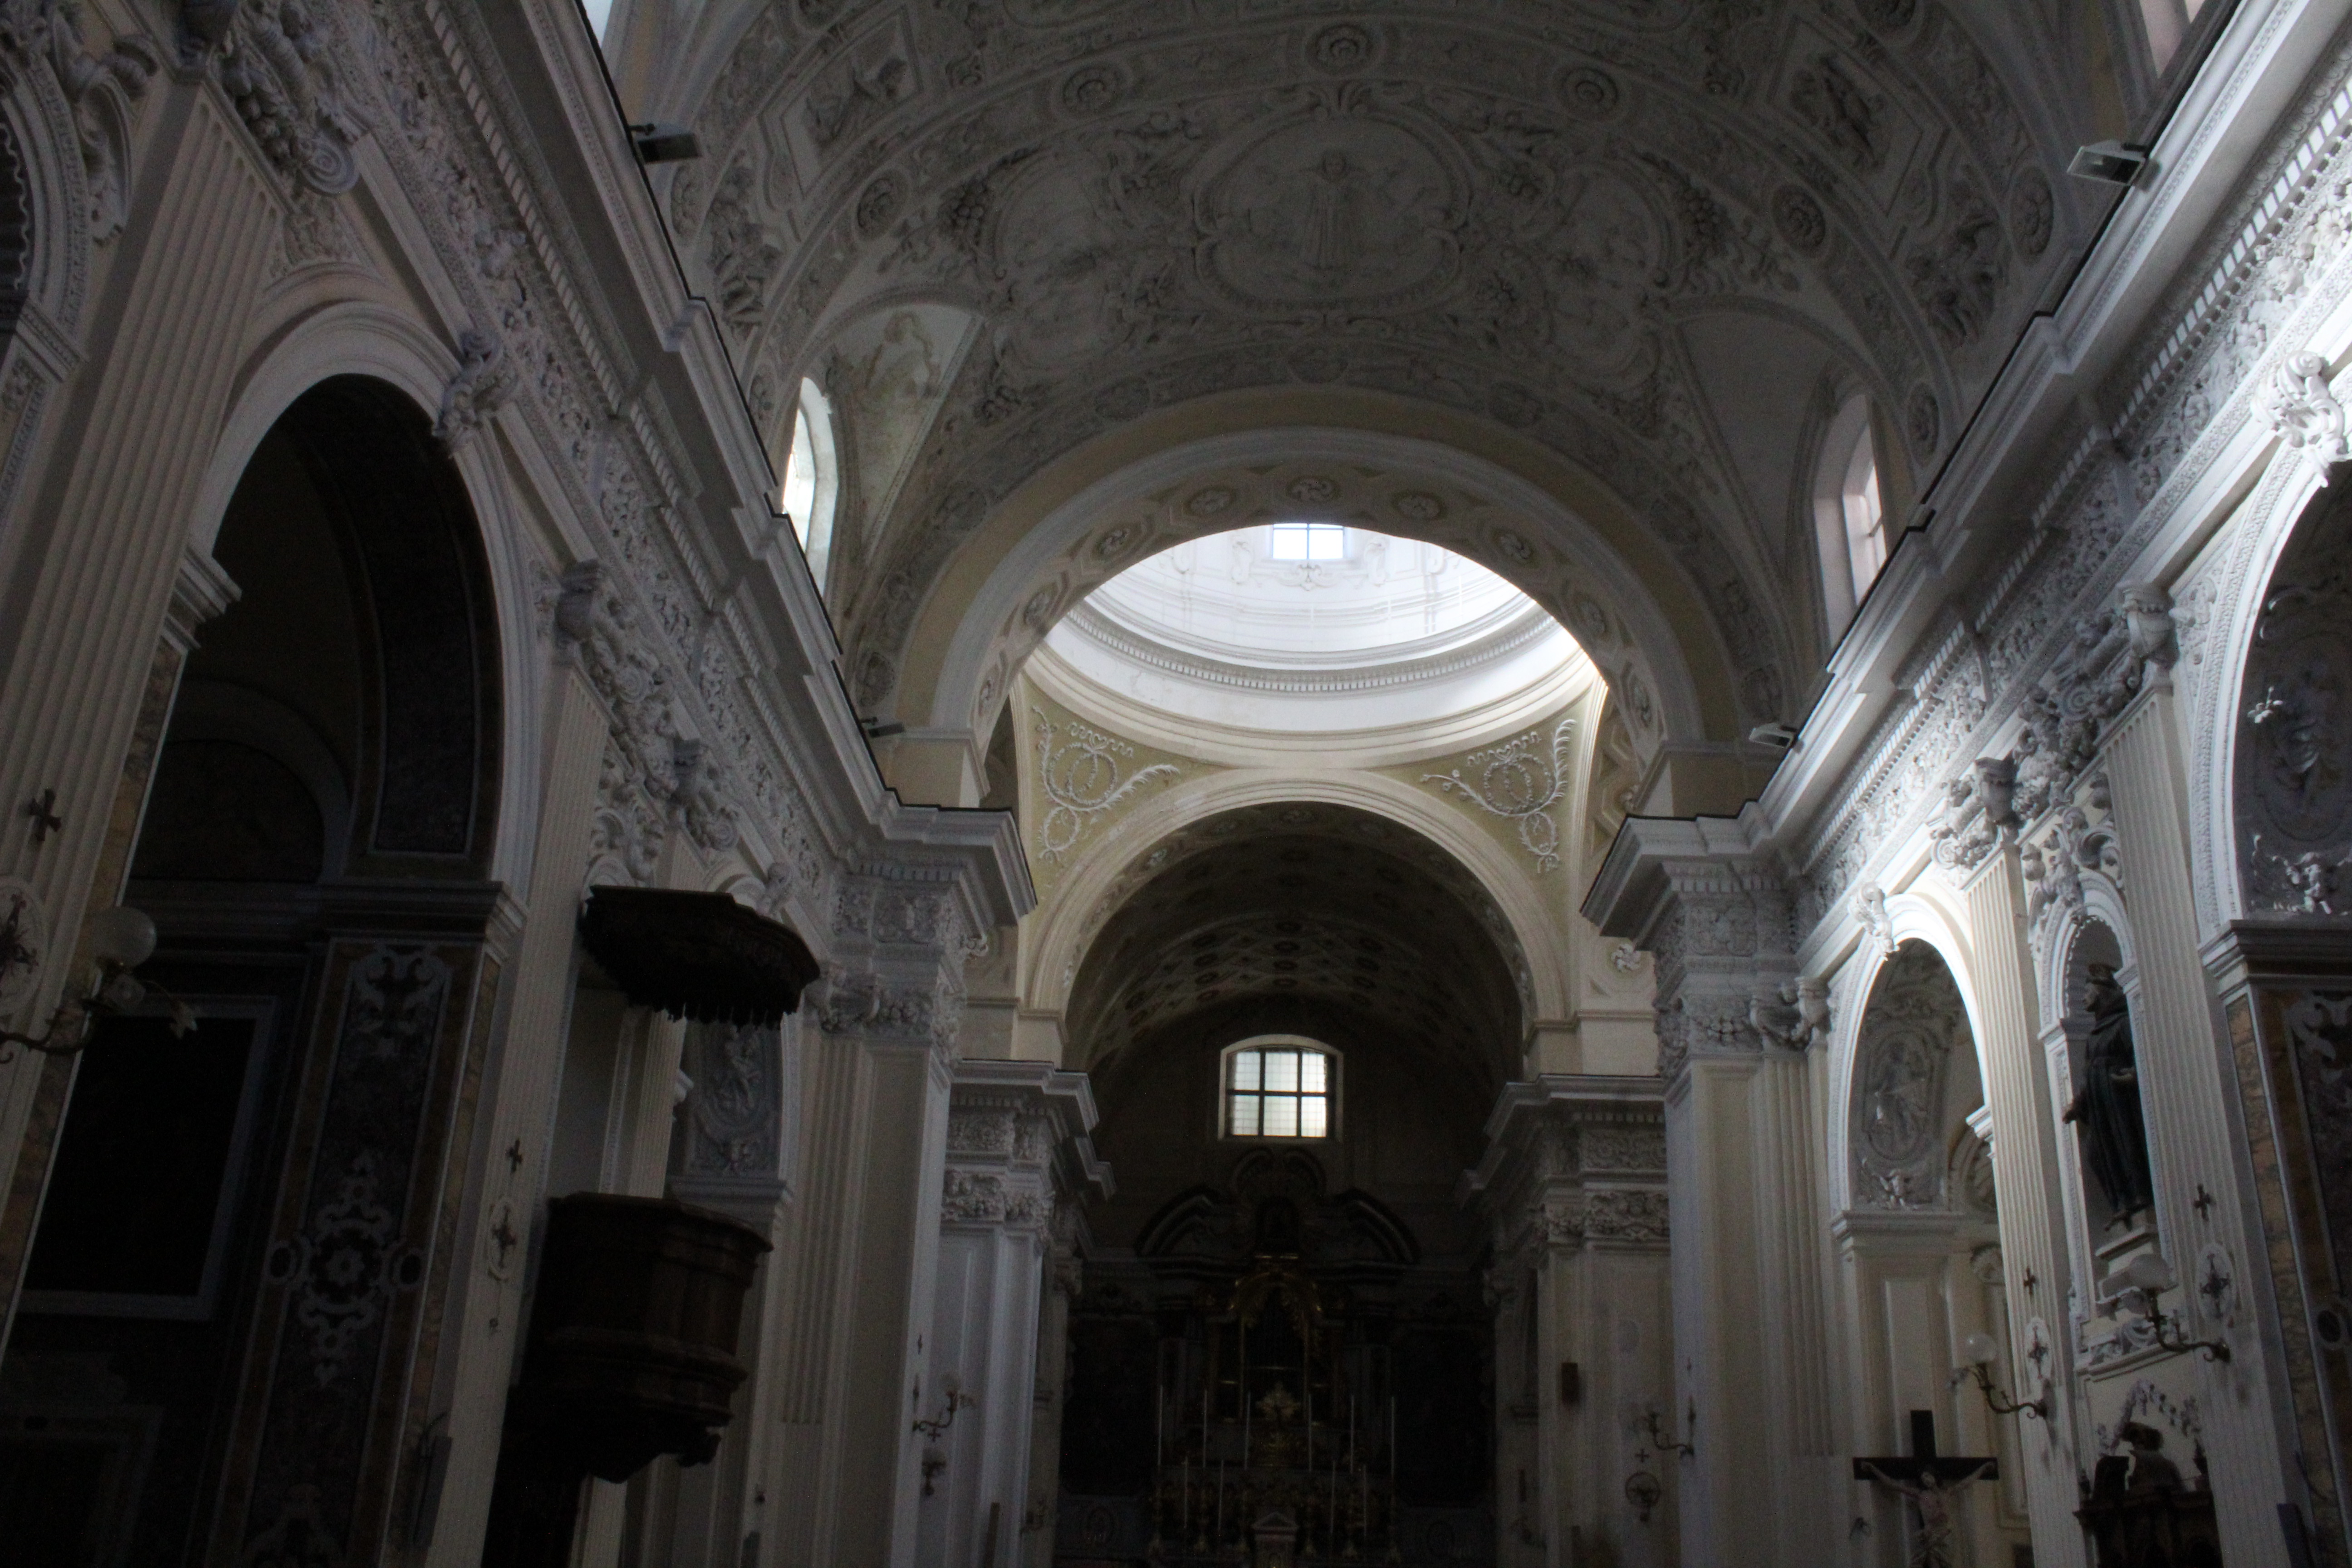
[[2106, 1107]]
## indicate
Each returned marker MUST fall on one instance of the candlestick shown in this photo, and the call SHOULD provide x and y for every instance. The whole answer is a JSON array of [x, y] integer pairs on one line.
[[1159, 1424], [1221, 1502], [1245, 1398], [1391, 1442]]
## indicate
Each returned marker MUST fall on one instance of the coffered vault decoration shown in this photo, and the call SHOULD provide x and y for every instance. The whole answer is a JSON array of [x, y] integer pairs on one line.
[[1315, 904], [1600, 228]]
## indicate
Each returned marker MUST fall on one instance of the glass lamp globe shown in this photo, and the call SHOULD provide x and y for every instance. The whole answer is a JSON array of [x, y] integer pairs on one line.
[[121, 936], [1977, 1350]]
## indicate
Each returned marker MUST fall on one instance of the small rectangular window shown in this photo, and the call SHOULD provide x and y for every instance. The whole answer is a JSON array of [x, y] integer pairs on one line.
[[1309, 542], [1278, 1093]]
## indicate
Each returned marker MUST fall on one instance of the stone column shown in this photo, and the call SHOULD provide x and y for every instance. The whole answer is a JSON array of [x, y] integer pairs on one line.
[[1749, 1332], [1017, 1149], [861, 1256], [1572, 1186], [2025, 1176], [2203, 1202]]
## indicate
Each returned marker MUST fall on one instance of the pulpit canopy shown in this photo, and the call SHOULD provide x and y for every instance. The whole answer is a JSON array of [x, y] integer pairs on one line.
[[701, 956]]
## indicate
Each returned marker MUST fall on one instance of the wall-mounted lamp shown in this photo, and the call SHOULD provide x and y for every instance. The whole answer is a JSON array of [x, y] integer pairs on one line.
[[120, 940], [2135, 1286], [1643, 1490], [957, 1400], [1977, 1353], [1666, 1444]]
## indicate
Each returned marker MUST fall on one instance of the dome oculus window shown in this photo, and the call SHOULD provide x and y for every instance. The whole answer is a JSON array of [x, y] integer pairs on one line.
[[1308, 542], [1279, 1090]]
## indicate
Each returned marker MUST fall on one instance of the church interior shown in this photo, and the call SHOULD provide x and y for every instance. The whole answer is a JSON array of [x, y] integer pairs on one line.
[[1100, 784]]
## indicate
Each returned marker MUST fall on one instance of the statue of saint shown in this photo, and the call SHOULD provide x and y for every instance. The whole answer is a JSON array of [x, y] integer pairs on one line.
[[2106, 1108]]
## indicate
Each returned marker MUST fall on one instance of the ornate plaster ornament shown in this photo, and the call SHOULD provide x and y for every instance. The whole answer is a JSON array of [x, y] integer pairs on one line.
[[482, 384], [1520, 779], [2293, 794], [100, 88], [2304, 410], [1878, 926], [281, 66], [1913, 1019], [1079, 769]]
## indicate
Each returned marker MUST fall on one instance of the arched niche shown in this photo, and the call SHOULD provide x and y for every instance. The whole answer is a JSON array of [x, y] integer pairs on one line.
[[2291, 779], [247, 1214], [2097, 965], [1915, 1082]]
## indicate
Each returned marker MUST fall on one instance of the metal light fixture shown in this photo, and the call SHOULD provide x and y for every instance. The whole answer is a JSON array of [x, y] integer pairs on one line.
[[660, 142], [119, 939], [2138, 1284], [1666, 1444], [1978, 1352]]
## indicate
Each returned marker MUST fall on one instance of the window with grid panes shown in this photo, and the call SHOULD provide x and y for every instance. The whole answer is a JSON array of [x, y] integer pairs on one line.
[[1278, 1091]]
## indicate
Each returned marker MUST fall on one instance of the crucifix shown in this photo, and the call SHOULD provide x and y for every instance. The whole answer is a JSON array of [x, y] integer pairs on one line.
[[1932, 1485]]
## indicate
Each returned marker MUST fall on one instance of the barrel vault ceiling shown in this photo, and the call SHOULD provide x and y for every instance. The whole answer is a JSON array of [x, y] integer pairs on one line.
[[1658, 240]]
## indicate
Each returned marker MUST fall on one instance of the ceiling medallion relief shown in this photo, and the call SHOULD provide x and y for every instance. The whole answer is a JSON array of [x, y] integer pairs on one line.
[[1508, 223]]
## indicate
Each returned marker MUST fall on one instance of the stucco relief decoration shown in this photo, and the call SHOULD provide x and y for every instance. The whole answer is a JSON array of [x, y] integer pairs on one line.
[[278, 63], [1980, 811], [100, 88], [1080, 771], [482, 384], [1316, 213], [2305, 412], [1623, 1215], [2294, 754], [1909, 1025], [1520, 780], [734, 1110]]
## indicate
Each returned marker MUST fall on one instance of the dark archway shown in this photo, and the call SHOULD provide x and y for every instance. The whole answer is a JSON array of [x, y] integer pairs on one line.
[[1242, 1281], [240, 1235]]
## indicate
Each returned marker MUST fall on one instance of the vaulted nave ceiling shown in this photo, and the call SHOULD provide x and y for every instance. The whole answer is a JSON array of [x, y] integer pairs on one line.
[[1652, 243]]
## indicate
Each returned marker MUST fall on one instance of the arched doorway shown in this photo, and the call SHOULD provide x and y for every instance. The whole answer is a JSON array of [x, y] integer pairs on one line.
[[221, 1346], [1919, 1249]]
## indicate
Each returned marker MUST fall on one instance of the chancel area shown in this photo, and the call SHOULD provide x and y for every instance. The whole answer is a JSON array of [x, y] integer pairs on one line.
[[1175, 783]]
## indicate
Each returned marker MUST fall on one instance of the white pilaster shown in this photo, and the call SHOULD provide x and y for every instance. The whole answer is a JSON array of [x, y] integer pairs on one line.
[[1016, 1150]]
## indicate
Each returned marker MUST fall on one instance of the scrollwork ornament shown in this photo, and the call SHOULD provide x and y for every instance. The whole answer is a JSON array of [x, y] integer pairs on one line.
[[1520, 780], [1079, 767]]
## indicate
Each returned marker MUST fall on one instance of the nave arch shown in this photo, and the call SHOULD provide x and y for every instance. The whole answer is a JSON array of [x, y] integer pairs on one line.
[[1401, 470]]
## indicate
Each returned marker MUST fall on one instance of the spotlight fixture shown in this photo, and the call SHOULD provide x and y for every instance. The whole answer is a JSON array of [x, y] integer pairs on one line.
[[2109, 162], [665, 143]]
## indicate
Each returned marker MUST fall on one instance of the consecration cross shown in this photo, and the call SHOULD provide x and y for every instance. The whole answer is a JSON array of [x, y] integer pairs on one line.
[[1931, 1483]]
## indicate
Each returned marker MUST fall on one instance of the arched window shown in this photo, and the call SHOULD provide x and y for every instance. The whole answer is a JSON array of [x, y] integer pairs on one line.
[[1850, 513], [1280, 1086], [812, 479]]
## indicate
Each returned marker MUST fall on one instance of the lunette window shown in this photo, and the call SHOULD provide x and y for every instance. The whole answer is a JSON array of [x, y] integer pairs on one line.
[[1278, 1091]]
